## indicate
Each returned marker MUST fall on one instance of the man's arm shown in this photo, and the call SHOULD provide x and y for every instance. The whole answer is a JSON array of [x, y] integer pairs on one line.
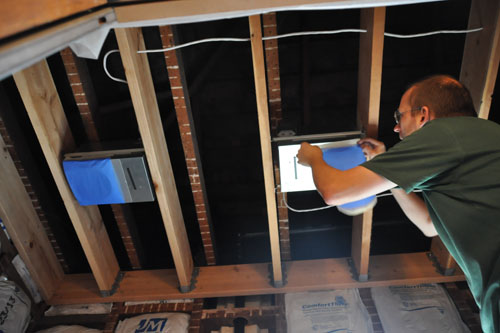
[[338, 187], [411, 204], [416, 210]]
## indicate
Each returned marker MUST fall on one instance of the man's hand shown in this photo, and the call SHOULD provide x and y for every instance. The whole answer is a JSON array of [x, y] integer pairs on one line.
[[371, 147], [308, 154]]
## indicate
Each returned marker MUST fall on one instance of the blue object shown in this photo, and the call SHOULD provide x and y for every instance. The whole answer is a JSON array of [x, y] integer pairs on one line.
[[93, 182], [346, 158]]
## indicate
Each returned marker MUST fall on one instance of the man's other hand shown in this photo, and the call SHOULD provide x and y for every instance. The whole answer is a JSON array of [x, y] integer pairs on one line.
[[371, 147], [307, 154]]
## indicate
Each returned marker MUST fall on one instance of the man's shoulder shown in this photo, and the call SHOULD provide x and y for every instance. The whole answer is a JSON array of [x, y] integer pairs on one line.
[[461, 127]]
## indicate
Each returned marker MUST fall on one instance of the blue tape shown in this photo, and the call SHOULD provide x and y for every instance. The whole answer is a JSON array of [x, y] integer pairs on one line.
[[93, 182], [346, 158]]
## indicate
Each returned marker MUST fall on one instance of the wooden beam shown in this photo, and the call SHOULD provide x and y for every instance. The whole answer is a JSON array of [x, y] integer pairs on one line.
[[482, 54], [265, 144], [270, 28], [371, 48], [19, 53], [253, 279], [25, 229], [47, 116], [143, 95], [360, 243], [20, 15], [447, 264], [175, 12]]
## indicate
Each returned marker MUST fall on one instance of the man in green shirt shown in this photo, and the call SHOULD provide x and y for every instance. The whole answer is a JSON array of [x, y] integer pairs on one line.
[[454, 158]]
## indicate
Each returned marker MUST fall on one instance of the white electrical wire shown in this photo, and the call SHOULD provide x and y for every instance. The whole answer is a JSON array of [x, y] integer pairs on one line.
[[104, 64], [206, 40], [293, 34], [424, 34], [308, 33]]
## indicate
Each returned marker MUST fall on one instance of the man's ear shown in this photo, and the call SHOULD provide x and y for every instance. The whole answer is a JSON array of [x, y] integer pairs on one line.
[[425, 115]]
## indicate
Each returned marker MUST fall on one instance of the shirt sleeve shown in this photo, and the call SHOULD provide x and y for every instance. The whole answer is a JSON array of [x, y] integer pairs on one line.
[[414, 162]]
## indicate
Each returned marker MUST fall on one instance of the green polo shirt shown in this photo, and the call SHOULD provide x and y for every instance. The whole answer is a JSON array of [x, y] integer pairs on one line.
[[456, 163]]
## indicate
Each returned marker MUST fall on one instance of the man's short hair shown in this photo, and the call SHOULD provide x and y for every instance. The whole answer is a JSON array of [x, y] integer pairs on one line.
[[444, 95]]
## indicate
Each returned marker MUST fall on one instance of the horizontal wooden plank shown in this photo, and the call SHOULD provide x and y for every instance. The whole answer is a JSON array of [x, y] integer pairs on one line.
[[253, 279], [20, 15], [175, 12]]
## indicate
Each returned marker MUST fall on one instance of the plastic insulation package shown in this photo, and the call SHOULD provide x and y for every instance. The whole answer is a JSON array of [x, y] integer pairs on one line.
[[156, 322], [420, 308], [327, 311], [69, 329], [15, 308]]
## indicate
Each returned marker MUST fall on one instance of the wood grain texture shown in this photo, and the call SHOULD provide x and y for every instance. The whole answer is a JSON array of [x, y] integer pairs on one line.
[[442, 255], [265, 142], [361, 240], [146, 109], [482, 54], [371, 50], [174, 12], [25, 228], [20, 15], [47, 116], [253, 279]]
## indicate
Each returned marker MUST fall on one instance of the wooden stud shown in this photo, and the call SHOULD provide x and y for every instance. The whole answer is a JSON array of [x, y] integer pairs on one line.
[[25, 229], [482, 54], [46, 113], [253, 279], [371, 50], [360, 245], [265, 143], [447, 264], [85, 96], [143, 95]]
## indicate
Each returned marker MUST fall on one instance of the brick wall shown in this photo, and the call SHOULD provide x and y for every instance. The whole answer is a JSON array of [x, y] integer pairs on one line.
[[186, 128]]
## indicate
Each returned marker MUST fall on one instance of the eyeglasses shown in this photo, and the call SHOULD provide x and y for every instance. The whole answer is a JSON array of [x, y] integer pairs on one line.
[[398, 114]]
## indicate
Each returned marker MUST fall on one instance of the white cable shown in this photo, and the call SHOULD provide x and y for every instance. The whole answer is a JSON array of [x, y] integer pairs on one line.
[[104, 63], [388, 34], [307, 33], [293, 34], [207, 40]]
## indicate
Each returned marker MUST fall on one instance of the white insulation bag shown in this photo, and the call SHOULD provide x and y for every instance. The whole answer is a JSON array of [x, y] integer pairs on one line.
[[14, 308], [155, 323], [327, 311], [69, 329], [420, 308]]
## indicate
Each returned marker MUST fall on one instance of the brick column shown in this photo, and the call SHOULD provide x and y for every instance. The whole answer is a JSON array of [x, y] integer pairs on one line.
[[272, 69], [112, 318], [195, 321], [34, 198], [189, 143], [86, 101], [274, 93]]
